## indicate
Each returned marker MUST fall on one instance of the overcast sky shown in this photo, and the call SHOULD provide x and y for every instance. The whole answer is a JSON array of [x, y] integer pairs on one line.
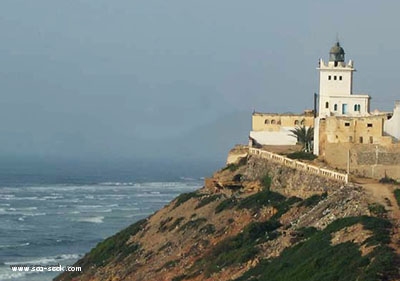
[[124, 78]]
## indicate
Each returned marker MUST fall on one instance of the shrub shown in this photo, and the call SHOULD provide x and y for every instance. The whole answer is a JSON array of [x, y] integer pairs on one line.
[[388, 180], [185, 197], [175, 223], [261, 199], [302, 155], [237, 178], [226, 204], [193, 224], [313, 200], [377, 209], [207, 229], [234, 166], [163, 224], [397, 195], [266, 182], [207, 199]]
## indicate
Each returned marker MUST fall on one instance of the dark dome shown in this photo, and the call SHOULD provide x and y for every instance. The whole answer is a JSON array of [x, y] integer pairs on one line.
[[336, 53], [336, 49]]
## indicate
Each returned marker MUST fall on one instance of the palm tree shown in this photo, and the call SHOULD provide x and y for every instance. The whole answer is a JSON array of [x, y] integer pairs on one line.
[[304, 136]]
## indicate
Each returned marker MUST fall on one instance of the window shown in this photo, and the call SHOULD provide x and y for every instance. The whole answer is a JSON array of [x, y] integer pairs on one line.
[[335, 107], [296, 122], [350, 139], [340, 78], [266, 121], [279, 122], [334, 77], [273, 121], [303, 122], [329, 77], [357, 107], [369, 125], [371, 139], [347, 124], [361, 139], [327, 105]]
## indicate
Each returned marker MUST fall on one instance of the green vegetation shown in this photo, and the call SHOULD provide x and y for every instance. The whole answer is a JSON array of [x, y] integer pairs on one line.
[[266, 182], [238, 249], [261, 199], [163, 224], [226, 204], [377, 209], [208, 199], [237, 178], [185, 197], [304, 136], [175, 223], [179, 278], [165, 246], [316, 259], [207, 229], [192, 224], [115, 246], [397, 195], [313, 200], [234, 166], [170, 264], [302, 155]]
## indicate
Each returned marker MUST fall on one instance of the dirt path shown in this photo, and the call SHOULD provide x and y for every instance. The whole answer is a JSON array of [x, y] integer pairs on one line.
[[383, 194]]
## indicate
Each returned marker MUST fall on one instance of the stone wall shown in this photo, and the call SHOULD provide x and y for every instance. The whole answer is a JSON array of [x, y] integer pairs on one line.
[[289, 181], [368, 160]]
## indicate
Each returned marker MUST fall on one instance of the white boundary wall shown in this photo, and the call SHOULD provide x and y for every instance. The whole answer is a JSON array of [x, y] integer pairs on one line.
[[299, 165]]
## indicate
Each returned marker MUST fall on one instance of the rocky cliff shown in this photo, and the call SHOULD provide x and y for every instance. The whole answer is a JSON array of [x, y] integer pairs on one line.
[[256, 220]]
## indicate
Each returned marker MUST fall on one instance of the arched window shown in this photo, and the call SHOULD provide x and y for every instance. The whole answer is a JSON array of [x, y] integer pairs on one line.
[[279, 122], [327, 105], [303, 122], [296, 122], [357, 107], [266, 121], [273, 121], [335, 107]]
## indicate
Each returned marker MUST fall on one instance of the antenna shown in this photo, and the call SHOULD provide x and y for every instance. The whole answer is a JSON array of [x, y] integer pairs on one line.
[[337, 37]]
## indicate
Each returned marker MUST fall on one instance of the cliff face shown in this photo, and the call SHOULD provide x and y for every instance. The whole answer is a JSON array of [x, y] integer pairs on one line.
[[255, 220]]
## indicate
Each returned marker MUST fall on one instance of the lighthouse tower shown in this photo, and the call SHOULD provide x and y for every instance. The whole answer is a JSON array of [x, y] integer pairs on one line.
[[336, 87]]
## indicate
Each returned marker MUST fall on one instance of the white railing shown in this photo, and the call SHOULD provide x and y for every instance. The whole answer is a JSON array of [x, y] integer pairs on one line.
[[299, 165]]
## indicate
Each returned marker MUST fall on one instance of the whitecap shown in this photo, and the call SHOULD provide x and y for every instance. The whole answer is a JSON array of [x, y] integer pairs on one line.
[[14, 245], [13, 275], [46, 260], [98, 219]]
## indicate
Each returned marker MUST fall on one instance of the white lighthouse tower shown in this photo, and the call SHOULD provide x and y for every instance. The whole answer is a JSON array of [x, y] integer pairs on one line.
[[336, 87], [336, 96]]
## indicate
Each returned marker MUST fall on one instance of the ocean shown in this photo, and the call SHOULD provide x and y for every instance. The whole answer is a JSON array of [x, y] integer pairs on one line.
[[52, 215]]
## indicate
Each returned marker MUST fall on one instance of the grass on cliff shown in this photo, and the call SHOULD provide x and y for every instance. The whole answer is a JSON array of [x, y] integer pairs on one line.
[[114, 247], [185, 197], [316, 259], [237, 249]]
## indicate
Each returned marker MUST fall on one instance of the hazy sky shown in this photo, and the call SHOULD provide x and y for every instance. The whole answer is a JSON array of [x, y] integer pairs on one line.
[[103, 79]]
